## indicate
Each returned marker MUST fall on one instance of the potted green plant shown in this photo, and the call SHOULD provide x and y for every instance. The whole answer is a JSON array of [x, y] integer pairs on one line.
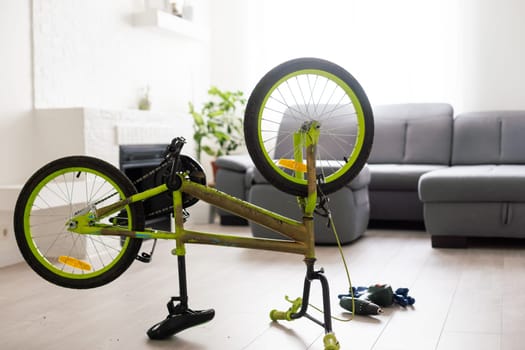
[[218, 124]]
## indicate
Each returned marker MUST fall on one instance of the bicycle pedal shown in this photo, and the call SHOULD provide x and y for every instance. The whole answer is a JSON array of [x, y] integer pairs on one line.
[[144, 257], [174, 324]]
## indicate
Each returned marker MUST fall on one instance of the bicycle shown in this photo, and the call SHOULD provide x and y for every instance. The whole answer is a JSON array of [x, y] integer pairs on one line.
[[79, 221]]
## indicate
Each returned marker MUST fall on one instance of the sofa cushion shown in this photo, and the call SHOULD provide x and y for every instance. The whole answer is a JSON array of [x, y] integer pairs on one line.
[[398, 177], [489, 138], [413, 133], [474, 183]]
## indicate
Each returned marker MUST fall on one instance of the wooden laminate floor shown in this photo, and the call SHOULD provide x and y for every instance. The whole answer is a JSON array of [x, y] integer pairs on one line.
[[465, 299]]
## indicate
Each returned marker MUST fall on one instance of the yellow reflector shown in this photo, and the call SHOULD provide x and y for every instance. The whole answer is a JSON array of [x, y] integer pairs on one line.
[[292, 165], [70, 261]]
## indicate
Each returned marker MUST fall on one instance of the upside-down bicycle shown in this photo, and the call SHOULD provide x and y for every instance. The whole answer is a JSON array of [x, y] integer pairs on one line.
[[79, 221]]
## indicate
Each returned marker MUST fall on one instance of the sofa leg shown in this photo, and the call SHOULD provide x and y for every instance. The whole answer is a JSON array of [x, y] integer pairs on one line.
[[449, 242]]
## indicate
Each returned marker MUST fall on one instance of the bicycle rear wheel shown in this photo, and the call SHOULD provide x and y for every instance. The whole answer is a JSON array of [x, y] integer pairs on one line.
[[50, 198], [306, 90]]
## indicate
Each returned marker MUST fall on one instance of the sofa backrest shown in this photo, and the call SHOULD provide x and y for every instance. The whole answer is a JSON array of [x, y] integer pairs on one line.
[[493, 137], [338, 123], [412, 133]]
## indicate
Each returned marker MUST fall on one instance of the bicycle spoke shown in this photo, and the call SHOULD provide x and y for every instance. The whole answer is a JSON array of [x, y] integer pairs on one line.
[[287, 100], [58, 200]]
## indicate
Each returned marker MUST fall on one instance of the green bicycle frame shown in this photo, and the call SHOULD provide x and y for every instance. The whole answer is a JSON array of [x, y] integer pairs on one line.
[[300, 233]]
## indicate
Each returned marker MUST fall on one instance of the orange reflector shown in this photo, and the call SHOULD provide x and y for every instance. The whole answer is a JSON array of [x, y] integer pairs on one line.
[[292, 165], [70, 261]]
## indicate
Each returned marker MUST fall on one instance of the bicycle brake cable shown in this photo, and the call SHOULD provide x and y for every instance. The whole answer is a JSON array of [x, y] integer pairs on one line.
[[323, 205]]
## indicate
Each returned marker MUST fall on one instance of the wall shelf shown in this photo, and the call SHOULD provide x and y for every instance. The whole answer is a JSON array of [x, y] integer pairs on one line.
[[168, 22]]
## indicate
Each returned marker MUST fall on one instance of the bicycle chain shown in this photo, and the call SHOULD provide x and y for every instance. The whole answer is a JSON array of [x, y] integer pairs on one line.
[[149, 174]]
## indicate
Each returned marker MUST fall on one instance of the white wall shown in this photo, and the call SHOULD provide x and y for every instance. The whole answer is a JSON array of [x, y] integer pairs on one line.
[[90, 53], [397, 55], [492, 54], [237, 59], [468, 53], [15, 115], [16, 91]]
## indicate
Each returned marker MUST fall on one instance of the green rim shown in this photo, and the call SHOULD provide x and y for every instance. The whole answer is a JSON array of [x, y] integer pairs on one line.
[[27, 227], [360, 123]]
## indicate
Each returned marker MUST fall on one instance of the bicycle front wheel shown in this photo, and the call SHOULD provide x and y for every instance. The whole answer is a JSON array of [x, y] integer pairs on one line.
[[302, 91], [50, 198]]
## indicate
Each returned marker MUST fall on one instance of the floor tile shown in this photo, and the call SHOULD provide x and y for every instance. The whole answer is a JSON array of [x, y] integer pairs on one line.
[[463, 341]]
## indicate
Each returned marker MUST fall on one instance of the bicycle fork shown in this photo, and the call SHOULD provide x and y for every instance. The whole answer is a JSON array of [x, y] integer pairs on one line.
[[312, 275], [308, 137]]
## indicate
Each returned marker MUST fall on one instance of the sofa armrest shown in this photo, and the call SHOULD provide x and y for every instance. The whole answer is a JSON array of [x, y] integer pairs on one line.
[[239, 163], [361, 180], [234, 174]]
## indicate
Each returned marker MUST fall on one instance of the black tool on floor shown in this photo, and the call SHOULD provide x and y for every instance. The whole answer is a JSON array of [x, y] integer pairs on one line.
[[370, 300]]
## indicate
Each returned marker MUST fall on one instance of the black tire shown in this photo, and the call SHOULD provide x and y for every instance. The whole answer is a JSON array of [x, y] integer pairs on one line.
[[49, 199], [273, 107]]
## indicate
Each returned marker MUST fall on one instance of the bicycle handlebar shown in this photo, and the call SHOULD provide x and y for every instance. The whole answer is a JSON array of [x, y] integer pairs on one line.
[[330, 342], [276, 315]]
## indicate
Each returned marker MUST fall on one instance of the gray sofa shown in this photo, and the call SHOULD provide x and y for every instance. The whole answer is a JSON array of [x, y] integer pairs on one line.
[[409, 141], [482, 193], [463, 177]]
